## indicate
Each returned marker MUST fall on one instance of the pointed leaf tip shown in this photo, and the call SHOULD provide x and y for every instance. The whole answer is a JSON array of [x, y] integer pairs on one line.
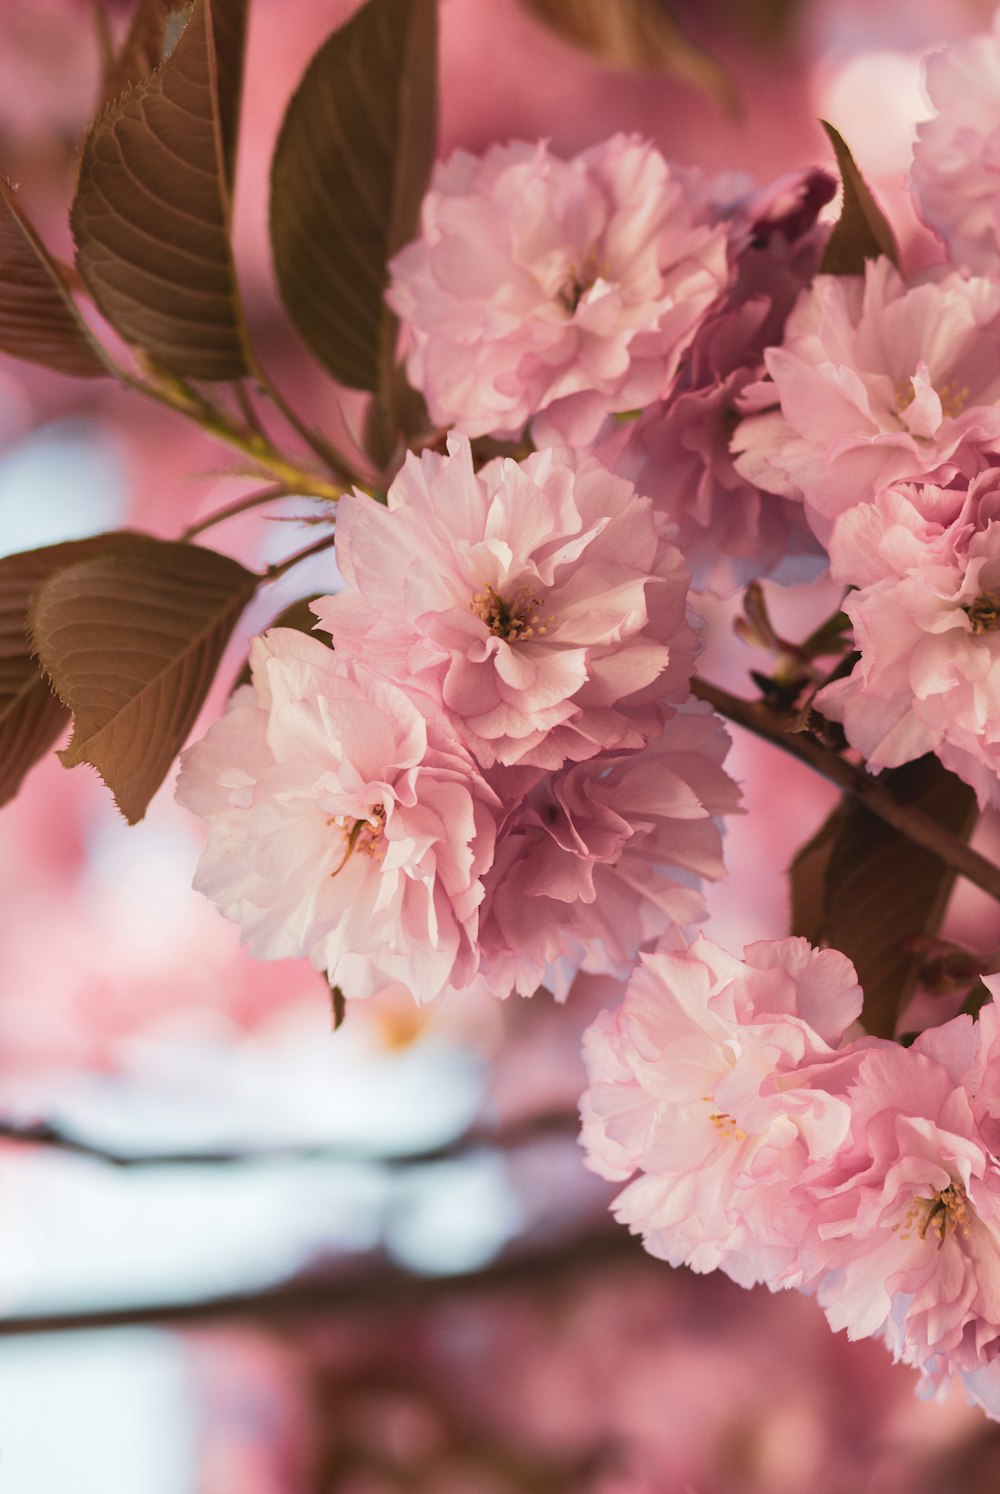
[[862, 231]]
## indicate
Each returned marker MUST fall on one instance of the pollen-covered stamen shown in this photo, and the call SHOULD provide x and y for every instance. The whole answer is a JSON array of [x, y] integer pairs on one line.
[[953, 399], [514, 617], [362, 836], [946, 1208], [725, 1125], [983, 613]]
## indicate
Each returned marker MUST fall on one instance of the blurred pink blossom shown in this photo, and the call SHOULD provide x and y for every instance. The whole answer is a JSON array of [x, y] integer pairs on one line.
[[956, 159]]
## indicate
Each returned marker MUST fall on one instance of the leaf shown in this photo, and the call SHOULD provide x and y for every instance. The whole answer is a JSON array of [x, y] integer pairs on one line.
[[149, 40], [31, 716], [131, 640], [862, 231], [152, 211], [39, 321], [637, 34], [864, 888], [350, 170]]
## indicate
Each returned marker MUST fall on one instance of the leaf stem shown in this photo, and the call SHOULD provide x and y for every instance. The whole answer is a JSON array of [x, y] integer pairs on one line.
[[317, 443], [180, 397], [281, 566], [241, 505], [775, 726]]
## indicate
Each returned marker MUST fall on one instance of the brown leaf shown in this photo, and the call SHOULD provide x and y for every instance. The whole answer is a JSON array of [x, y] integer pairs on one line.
[[640, 35], [862, 230], [149, 40], [131, 641], [31, 715], [152, 211], [863, 888], [39, 321], [350, 170]]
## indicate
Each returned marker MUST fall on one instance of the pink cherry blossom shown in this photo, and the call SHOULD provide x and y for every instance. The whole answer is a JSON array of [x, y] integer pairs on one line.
[[708, 1082], [956, 158], [903, 1239], [926, 621], [603, 857], [541, 284], [876, 382], [677, 451], [538, 603], [344, 824]]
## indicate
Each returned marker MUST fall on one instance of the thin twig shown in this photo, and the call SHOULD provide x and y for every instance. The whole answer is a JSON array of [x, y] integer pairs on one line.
[[281, 566], [478, 1138], [240, 506], [774, 726], [318, 444]]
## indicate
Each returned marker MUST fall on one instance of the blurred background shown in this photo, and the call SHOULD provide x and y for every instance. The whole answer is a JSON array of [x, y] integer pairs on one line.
[[267, 1258]]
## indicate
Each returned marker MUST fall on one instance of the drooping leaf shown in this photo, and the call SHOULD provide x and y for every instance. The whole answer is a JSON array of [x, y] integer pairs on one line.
[[31, 715], [637, 34], [152, 211], [350, 169], [298, 615], [150, 39], [39, 321], [131, 641], [862, 231], [862, 887]]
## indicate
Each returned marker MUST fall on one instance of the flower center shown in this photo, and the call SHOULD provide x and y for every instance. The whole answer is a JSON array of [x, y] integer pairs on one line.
[[953, 399], [946, 1208], [362, 836], [580, 280], [514, 617], [983, 613], [725, 1125]]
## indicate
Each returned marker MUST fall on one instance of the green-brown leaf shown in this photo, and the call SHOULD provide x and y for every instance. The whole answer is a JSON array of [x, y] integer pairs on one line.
[[862, 231], [152, 210], [31, 715], [864, 888], [637, 34], [39, 321], [131, 641], [350, 170]]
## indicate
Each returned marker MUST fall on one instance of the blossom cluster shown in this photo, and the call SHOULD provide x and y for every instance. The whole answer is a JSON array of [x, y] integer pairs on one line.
[[495, 776], [770, 1141], [498, 776]]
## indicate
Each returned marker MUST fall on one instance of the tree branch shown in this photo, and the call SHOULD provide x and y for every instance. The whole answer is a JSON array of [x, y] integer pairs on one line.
[[477, 1138], [774, 726], [374, 1288]]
